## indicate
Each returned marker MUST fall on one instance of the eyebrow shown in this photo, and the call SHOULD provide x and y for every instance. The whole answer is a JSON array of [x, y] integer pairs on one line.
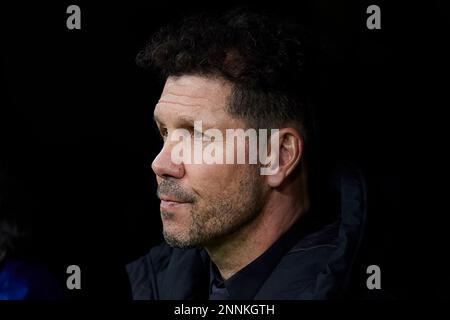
[[184, 120]]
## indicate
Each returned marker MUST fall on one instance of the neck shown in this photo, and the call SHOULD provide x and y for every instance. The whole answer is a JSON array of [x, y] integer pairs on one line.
[[240, 248]]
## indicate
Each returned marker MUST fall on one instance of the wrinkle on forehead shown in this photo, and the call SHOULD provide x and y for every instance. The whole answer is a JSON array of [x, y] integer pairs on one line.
[[196, 98], [190, 90]]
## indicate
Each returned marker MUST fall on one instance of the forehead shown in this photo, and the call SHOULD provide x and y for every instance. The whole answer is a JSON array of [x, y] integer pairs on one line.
[[193, 95]]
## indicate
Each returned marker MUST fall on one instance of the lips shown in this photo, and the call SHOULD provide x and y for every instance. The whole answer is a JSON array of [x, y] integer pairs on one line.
[[170, 199], [170, 202]]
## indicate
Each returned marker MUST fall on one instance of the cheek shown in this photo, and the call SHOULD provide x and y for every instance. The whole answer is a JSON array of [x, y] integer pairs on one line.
[[210, 180]]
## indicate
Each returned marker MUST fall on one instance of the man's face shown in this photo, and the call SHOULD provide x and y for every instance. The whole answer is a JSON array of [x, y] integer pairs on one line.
[[201, 203]]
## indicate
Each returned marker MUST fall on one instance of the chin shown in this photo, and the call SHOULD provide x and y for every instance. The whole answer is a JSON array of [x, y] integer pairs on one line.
[[173, 230], [177, 241]]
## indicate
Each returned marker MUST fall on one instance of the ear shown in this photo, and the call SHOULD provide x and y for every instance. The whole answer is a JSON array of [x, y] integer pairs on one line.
[[288, 152]]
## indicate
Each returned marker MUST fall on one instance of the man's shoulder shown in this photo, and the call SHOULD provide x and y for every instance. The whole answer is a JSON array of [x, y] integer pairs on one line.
[[160, 266], [296, 274], [322, 238], [157, 258]]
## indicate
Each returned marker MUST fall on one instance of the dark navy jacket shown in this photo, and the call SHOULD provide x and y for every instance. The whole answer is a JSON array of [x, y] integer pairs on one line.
[[318, 266]]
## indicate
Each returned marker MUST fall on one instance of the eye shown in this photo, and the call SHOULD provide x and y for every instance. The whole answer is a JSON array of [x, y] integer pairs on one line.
[[163, 133], [207, 138], [196, 133]]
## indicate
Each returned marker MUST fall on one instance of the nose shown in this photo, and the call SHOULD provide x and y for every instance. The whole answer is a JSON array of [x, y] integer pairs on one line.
[[163, 166]]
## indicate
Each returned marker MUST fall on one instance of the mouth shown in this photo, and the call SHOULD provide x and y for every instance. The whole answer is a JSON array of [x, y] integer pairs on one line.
[[169, 202]]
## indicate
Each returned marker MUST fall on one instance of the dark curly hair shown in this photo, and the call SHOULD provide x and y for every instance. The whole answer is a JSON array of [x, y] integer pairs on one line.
[[262, 56]]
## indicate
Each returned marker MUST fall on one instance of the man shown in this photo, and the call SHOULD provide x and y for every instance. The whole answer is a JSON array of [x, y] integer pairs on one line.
[[230, 231]]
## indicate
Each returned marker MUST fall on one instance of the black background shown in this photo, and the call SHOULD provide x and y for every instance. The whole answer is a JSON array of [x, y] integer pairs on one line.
[[76, 131]]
